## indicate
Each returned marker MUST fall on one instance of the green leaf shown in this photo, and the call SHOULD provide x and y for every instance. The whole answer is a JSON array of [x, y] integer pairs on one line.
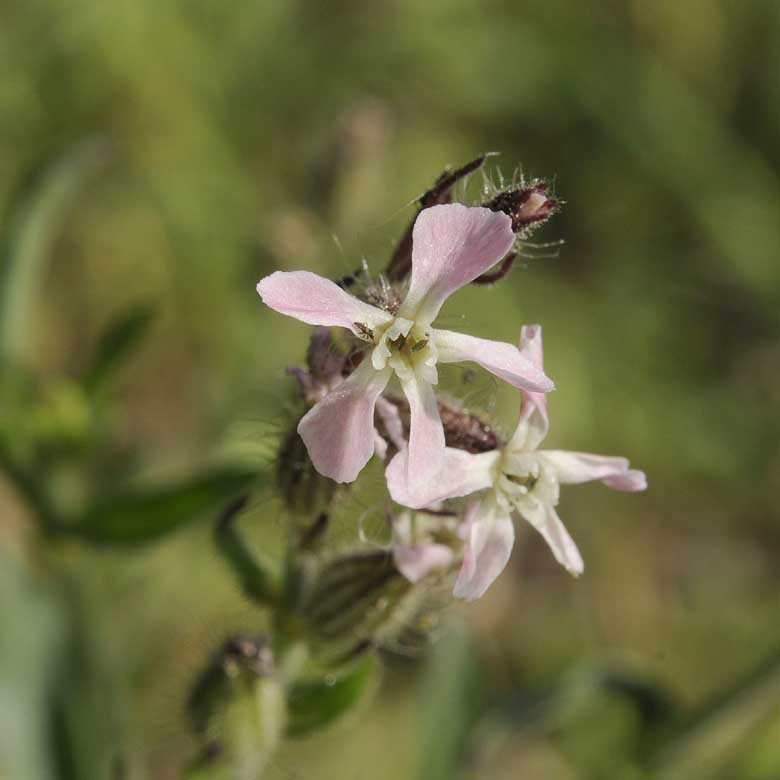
[[145, 515], [119, 340], [255, 579], [313, 705], [33, 222]]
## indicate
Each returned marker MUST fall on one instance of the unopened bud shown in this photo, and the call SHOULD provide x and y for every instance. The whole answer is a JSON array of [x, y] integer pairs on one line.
[[304, 490], [323, 358], [358, 601], [236, 664], [464, 429], [528, 206], [467, 430], [384, 295], [238, 708], [325, 367]]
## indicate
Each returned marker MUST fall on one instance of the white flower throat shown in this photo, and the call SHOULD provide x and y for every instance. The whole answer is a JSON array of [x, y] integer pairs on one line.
[[407, 348], [524, 476]]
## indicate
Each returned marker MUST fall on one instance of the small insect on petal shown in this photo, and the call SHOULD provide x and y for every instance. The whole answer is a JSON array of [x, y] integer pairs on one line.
[[364, 331], [421, 344]]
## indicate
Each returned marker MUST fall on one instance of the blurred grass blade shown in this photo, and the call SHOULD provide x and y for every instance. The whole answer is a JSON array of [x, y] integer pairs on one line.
[[33, 221], [717, 736], [450, 707], [31, 650], [144, 515], [117, 343], [314, 705], [86, 731]]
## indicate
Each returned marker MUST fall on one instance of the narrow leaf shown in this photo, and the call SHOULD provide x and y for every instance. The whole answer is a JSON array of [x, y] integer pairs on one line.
[[144, 515], [253, 577], [118, 342]]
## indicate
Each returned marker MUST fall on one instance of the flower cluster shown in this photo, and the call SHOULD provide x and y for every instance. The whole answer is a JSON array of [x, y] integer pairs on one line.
[[439, 451]]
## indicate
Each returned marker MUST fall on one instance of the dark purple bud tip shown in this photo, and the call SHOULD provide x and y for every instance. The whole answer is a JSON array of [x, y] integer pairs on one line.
[[527, 206]]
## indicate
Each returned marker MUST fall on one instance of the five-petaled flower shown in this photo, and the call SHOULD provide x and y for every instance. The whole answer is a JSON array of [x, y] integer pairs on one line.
[[452, 245], [520, 479]]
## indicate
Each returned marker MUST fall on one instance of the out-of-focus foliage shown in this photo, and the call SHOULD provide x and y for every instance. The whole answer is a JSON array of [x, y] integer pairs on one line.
[[314, 705], [237, 138]]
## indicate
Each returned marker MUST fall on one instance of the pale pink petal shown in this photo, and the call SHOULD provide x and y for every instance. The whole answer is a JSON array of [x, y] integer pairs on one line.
[[489, 541], [573, 468], [544, 519], [391, 420], [502, 359], [451, 246], [417, 561], [534, 422], [380, 446], [338, 431], [531, 344], [463, 473], [632, 481], [425, 453], [318, 301]]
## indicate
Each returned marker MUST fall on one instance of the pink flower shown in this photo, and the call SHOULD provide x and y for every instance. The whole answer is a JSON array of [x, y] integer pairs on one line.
[[452, 245], [521, 479]]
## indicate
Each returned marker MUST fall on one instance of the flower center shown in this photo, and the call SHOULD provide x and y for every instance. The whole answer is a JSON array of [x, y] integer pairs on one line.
[[525, 476], [406, 348]]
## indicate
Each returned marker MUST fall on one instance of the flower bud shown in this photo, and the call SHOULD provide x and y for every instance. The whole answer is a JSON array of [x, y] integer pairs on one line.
[[441, 192], [360, 600], [236, 664], [464, 429], [238, 707], [304, 490], [383, 294], [467, 430], [528, 206]]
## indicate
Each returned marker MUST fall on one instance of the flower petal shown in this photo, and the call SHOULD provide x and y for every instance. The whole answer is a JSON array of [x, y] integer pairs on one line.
[[489, 541], [462, 474], [451, 246], [573, 468], [380, 445], [316, 300], [534, 423], [391, 420], [502, 359], [425, 453], [416, 562], [338, 431], [544, 519]]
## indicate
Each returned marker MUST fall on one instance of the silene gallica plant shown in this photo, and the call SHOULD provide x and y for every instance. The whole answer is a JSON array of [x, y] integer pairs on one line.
[[453, 484], [356, 412]]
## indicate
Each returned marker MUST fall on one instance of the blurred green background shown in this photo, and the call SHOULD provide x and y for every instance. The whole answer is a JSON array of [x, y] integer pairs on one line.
[[192, 147]]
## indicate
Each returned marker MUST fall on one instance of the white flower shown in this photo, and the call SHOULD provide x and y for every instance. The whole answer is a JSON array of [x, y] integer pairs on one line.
[[521, 479], [452, 245]]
